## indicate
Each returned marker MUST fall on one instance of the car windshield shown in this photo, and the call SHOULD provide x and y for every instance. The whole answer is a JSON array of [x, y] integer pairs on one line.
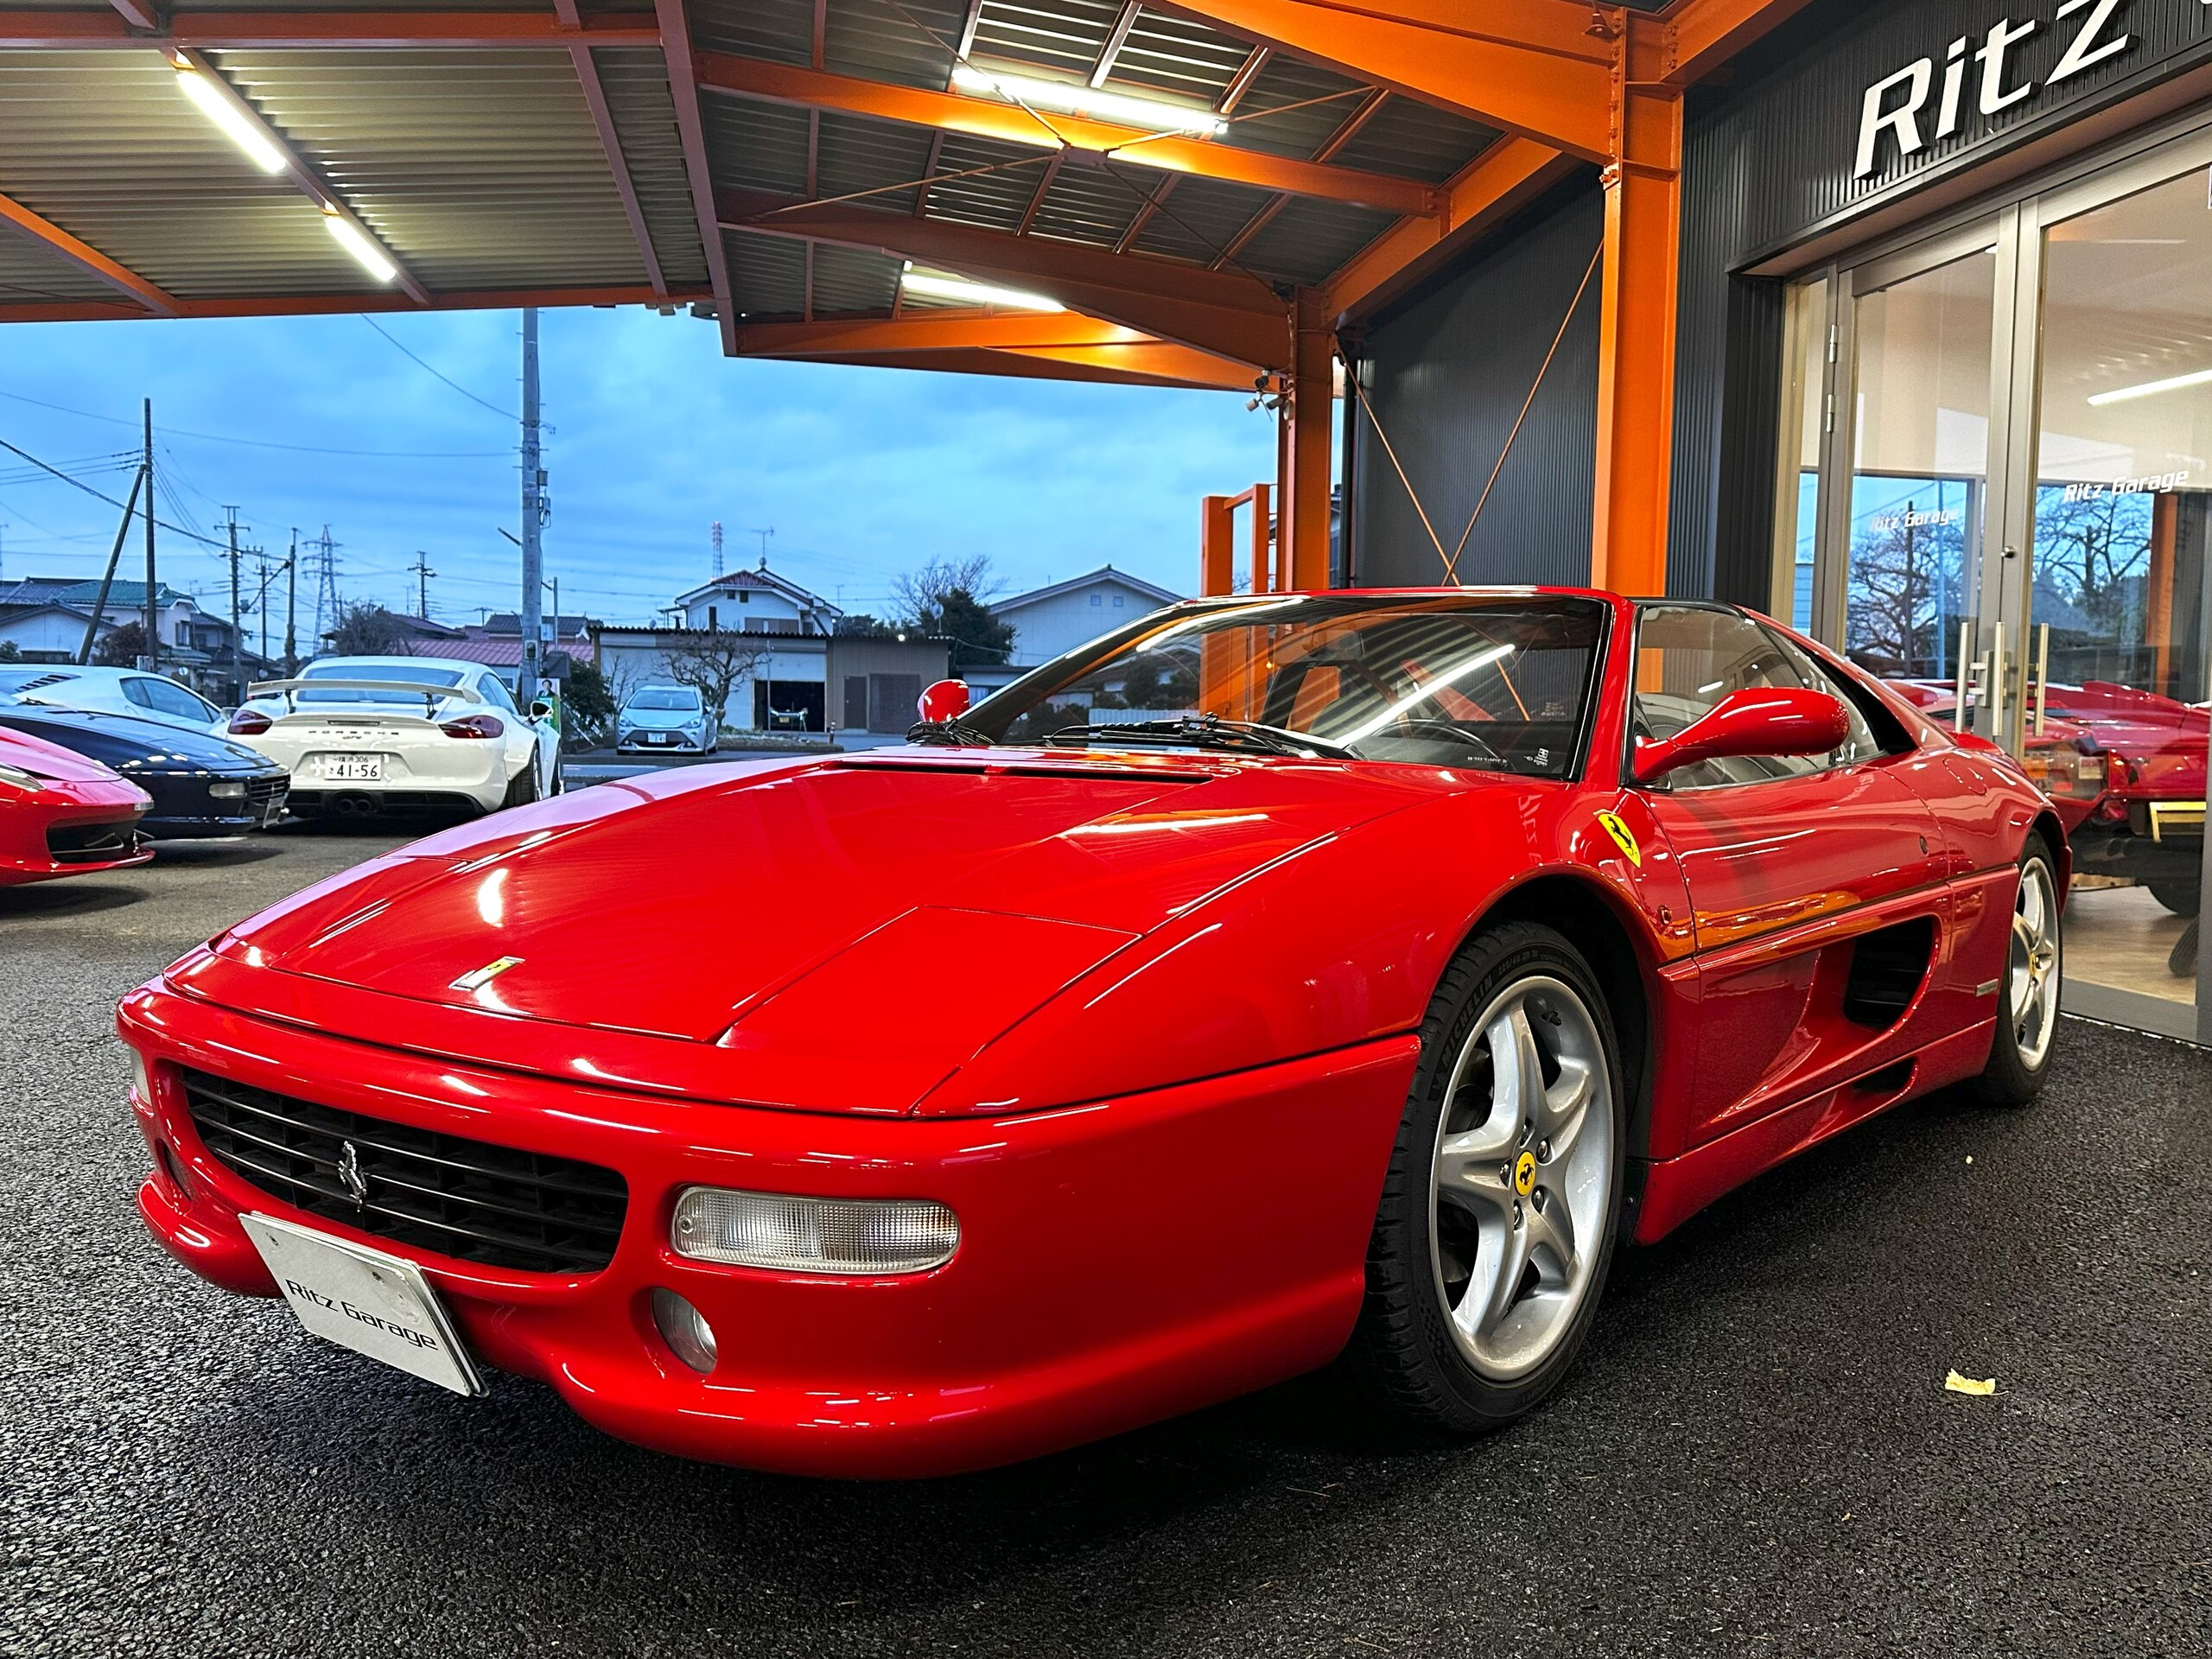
[[390, 673], [1491, 681], [670, 698]]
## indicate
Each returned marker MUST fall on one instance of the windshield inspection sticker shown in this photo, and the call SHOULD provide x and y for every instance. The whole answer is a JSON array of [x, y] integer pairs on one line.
[[1622, 838]]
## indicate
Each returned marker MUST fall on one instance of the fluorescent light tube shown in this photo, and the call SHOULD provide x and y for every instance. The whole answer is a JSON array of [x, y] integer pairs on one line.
[[1063, 98], [226, 115], [370, 255], [960, 289], [2151, 389]]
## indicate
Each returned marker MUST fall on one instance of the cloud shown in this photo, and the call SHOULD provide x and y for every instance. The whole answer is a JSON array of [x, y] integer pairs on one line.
[[652, 436]]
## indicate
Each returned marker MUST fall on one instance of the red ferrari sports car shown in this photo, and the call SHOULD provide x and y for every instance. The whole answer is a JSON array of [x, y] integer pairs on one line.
[[63, 814], [1280, 978]]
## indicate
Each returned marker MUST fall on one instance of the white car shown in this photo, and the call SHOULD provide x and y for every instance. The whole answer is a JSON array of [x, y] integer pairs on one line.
[[666, 717], [360, 734], [114, 691]]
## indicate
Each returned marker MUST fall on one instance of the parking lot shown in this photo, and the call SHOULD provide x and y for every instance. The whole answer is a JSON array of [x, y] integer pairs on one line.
[[1757, 1456]]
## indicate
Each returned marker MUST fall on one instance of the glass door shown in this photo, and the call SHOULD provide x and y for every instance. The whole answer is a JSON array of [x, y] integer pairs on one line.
[[1994, 492], [2112, 514]]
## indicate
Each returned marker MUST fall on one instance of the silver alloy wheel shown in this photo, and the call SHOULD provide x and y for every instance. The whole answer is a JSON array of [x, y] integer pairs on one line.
[[1521, 1181], [2033, 971]]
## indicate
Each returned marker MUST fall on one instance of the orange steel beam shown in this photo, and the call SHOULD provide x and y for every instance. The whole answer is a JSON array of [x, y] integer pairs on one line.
[[690, 129], [1530, 66], [937, 331], [323, 305], [1230, 316], [138, 14], [1635, 340], [1103, 368], [279, 30], [988, 118], [1156, 362], [88, 257], [602, 120], [1502, 178], [1302, 541]]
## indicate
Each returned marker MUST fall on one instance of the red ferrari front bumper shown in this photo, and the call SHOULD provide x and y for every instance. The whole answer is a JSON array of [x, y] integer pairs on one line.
[[71, 826], [1119, 1261]]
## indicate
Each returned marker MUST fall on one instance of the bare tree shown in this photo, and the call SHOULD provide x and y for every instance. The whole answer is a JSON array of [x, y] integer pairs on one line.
[[715, 660], [923, 591], [369, 630], [1902, 567]]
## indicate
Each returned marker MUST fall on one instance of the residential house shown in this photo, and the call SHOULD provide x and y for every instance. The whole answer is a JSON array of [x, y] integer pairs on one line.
[[45, 619], [1050, 621]]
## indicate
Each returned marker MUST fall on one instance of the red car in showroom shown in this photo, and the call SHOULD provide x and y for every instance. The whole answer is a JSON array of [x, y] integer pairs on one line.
[[61, 814], [1280, 978]]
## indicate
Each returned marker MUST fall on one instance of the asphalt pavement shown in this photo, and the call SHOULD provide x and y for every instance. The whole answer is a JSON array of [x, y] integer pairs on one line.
[[1756, 1457]]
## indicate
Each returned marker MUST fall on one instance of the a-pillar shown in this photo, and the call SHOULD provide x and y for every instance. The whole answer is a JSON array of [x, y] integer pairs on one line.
[[1635, 350], [1309, 415]]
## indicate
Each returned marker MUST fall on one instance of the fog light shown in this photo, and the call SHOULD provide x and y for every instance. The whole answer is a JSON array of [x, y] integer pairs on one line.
[[142, 1079], [774, 1229], [685, 1330], [227, 791]]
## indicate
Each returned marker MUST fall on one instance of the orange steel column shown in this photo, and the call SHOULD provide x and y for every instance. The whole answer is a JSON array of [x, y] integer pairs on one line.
[[1217, 546], [1309, 416], [1262, 549], [1636, 361]]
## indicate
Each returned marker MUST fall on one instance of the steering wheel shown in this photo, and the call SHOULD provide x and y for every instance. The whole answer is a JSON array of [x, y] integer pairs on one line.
[[1410, 723]]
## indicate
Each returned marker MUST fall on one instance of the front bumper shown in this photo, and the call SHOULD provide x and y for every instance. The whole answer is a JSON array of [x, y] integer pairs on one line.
[[662, 741], [185, 808], [1120, 1262], [72, 827]]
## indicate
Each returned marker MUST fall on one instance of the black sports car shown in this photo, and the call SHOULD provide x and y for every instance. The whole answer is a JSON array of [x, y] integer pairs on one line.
[[202, 785]]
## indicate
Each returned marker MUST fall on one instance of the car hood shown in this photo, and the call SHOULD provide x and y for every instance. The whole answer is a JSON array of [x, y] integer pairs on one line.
[[130, 744], [661, 719], [36, 754], [820, 903]]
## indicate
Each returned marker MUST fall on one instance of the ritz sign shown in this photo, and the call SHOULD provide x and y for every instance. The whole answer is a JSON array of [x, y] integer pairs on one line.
[[1899, 106]]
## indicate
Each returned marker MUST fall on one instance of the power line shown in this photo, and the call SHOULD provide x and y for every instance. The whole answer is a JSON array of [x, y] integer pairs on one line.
[[504, 414], [263, 443], [98, 495]]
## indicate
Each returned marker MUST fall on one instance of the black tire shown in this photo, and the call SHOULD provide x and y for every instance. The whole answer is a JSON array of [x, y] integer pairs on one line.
[[2182, 962], [2013, 1077], [1402, 1348], [522, 788], [2180, 897]]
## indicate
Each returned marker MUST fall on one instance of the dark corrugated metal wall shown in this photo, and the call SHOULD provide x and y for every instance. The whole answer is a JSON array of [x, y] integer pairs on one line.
[[1448, 373]]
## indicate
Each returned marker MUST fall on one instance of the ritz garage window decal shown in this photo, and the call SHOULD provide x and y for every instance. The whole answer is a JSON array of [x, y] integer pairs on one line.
[[1898, 105]]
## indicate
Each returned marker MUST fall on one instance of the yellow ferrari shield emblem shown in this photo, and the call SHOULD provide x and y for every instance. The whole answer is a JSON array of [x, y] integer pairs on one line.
[[1622, 838], [1524, 1174]]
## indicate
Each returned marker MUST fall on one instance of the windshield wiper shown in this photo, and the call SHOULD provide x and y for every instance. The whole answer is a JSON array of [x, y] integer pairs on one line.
[[954, 734], [1210, 731]]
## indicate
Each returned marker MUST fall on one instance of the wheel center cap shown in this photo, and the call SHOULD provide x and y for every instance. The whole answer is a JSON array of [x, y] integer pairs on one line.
[[1525, 1173]]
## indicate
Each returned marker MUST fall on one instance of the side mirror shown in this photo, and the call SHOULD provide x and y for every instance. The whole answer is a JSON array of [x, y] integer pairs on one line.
[[1764, 721], [539, 708], [945, 700]]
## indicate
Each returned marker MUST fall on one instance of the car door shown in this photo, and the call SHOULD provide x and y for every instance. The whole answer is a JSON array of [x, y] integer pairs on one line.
[[1814, 880]]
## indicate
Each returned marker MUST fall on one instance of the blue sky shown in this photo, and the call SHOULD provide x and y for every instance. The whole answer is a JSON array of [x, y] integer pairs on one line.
[[862, 473]]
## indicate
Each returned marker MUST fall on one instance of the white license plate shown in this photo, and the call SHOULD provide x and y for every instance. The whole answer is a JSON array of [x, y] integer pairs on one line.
[[661, 737], [353, 768], [374, 1303]]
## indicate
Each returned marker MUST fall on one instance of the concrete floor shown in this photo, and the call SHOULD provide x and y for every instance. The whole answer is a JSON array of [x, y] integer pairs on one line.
[[2121, 936], [1756, 1457]]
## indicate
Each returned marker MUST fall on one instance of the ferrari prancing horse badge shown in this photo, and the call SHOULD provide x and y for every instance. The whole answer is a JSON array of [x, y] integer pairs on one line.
[[1622, 838]]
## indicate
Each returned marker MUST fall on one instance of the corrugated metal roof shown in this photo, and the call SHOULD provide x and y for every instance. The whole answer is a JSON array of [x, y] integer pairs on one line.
[[1307, 239], [858, 155], [1416, 140], [754, 145], [480, 172], [909, 46], [848, 280], [635, 79], [768, 274]]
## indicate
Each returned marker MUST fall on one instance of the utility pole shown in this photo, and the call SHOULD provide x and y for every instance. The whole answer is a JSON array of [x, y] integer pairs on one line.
[[107, 576], [261, 570], [238, 622], [422, 574], [152, 626], [291, 604], [533, 518]]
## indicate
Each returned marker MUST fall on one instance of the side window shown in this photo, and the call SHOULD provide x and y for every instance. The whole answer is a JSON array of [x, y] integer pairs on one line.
[[1688, 659], [173, 699], [1863, 744], [139, 689], [495, 690]]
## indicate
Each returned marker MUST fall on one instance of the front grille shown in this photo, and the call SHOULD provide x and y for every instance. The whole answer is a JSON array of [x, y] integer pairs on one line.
[[91, 843], [496, 1205], [262, 790]]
